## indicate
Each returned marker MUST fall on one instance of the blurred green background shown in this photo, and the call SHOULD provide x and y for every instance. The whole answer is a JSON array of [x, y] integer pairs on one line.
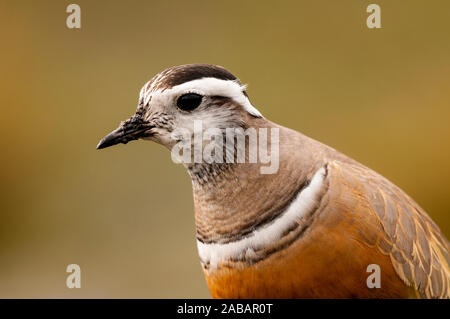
[[125, 214]]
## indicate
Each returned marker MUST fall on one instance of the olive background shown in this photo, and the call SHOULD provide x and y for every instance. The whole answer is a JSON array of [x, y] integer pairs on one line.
[[125, 214]]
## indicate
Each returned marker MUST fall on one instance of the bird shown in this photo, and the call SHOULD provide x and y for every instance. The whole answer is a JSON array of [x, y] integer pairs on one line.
[[310, 227]]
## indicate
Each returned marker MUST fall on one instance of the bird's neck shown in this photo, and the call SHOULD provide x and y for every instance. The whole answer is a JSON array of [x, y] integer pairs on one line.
[[234, 199]]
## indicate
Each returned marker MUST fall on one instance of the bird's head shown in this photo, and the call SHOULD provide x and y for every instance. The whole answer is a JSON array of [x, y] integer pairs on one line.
[[174, 99]]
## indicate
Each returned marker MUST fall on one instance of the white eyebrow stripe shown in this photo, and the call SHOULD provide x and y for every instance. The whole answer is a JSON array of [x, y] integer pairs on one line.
[[303, 204], [211, 87]]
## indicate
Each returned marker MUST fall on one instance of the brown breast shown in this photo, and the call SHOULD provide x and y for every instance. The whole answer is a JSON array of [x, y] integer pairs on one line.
[[330, 258]]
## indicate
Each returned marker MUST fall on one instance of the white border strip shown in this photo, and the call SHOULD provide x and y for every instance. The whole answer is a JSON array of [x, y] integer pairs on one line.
[[304, 203], [207, 87]]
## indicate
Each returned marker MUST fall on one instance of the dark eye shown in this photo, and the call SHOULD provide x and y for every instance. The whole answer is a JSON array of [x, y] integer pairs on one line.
[[189, 101]]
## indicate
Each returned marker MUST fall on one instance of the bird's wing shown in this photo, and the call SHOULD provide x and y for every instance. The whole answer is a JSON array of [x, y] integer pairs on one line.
[[418, 250]]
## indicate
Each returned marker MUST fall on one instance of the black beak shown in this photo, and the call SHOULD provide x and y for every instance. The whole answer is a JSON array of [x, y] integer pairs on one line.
[[130, 130]]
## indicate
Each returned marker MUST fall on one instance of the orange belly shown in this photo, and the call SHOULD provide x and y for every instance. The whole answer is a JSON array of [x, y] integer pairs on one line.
[[323, 264]]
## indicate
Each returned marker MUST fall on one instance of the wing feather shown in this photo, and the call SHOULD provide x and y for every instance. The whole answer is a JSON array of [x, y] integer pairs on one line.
[[418, 250]]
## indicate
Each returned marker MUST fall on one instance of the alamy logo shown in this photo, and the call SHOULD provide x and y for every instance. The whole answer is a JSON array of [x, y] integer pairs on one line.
[[374, 19], [374, 279], [74, 279], [227, 145], [73, 20]]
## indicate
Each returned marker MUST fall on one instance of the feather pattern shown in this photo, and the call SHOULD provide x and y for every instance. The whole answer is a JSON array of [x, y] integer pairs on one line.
[[415, 245]]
